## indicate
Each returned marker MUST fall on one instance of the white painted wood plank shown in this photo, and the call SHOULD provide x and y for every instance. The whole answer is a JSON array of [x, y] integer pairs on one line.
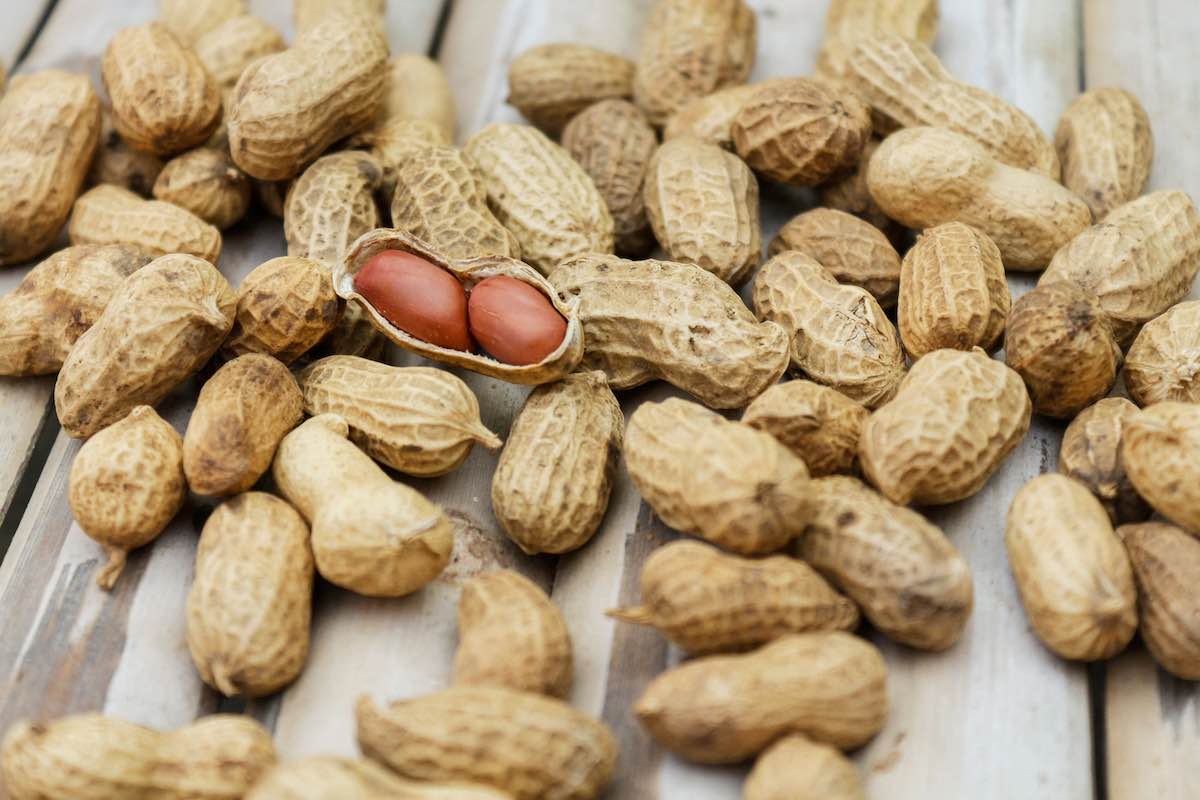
[[21, 19]]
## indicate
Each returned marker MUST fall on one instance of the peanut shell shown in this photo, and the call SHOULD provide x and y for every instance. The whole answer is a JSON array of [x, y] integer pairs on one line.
[[393, 143], [206, 182], [416, 89], [849, 192], [330, 205], [1161, 450], [192, 19], [113, 215], [797, 768], [1091, 454], [116, 162], [284, 307], [1166, 566], [848, 22], [818, 424], [551, 83], [333, 778], [710, 117], [227, 49], [1164, 361], [1105, 146]]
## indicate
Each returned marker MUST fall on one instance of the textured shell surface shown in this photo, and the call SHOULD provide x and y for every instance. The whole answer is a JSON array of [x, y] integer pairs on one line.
[[118, 163], [206, 182], [551, 487], [57, 301], [1160, 447], [249, 606], [551, 83], [852, 249], [511, 636], [284, 307], [906, 576], [691, 48], [830, 686], [114, 215], [1164, 360], [1091, 454], [416, 90], [1105, 146], [649, 320], [1166, 567], [819, 424], [335, 778], [703, 207], [533, 747], [955, 418], [801, 132], [797, 768], [49, 129], [849, 192], [1071, 571], [331, 204], [706, 601], [723, 481], [541, 194], [418, 420], [848, 22], [162, 324], [1140, 260], [841, 337], [308, 14], [190, 20], [953, 293], [393, 142], [710, 117], [226, 50]]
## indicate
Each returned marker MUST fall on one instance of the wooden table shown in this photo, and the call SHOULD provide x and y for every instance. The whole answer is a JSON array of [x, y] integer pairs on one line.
[[996, 717]]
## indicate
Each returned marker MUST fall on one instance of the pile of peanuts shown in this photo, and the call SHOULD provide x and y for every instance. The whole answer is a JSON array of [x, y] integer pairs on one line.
[[522, 256]]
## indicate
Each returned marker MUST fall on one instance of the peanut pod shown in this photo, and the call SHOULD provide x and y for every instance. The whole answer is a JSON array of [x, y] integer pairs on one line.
[[1161, 450], [234, 44], [113, 215], [1166, 566], [818, 424], [416, 90], [206, 182], [330, 205], [333, 778], [1105, 146], [284, 307], [797, 768], [1091, 454], [1164, 360], [551, 83], [848, 22]]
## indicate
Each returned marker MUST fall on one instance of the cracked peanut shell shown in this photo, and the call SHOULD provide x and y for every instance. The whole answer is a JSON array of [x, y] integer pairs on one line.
[[1105, 146], [848, 22], [285, 306], [331, 204], [797, 768], [1091, 454], [551, 83], [818, 424], [1160, 446], [1166, 567], [109, 214], [335, 778], [1164, 360], [206, 182]]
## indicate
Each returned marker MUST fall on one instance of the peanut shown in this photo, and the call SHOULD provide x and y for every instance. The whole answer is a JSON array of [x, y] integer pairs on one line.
[[1166, 566], [954, 420], [416, 89], [533, 747], [227, 49], [909, 580], [126, 484], [691, 48], [1105, 146], [417, 420], [393, 144], [613, 143], [514, 322], [551, 83], [761, 501], [725, 709], [541, 194], [797, 768], [511, 636], [1140, 260], [1060, 342], [1072, 573], [953, 293], [849, 192], [710, 117], [206, 182], [906, 86], [922, 177], [332, 778], [1091, 454], [243, 412], [248, 609], [116, 162], [649, 320], [801, 132], [284, 307], [93, 757], [703, 207], [370, 534], [417, 297], [818, 424], [49, 127], [1164, 361], [1161, 450], [308, 14], [113, 215], [57, 301], [840, 335], [191, 19], [162, 324], [853, 250], [289, 108], [706, 601], [551, 486], [330, 205], [848, 22]]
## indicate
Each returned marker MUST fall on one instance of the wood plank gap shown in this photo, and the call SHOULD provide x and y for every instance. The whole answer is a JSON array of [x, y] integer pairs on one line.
[[439, 29], [1097, 678], [31, 40], [13, 509]]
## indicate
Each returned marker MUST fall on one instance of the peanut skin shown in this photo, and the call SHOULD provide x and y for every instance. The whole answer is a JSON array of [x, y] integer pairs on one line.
[[514, 322], [417, 297]]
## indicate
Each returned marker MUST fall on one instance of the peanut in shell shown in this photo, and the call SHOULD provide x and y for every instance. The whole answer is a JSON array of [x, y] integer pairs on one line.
[[1166, 567], [335, 778], [113, 215], [416, 90], [206, 182], [285, 306], [230, 47], [1091, 454], [1164, 361], [818, 424], [1105, 146], [551, 83], [190, 20], [848, 22], [797, 768], [1160, 447], [710, 117], [331, 204]]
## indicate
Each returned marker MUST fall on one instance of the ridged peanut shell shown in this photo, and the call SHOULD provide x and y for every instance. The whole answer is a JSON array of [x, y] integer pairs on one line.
[[334, 778], [841, 337], [706, 601], [307, 14], [418, 420], [830, 686], [249, 606], [206, 182], [116, 162], [511, 636], [57, 301], [818, 424], [649, 320], [723, 481], [230, 47], [953, 293], [126, 484], [691, 48], [1105, 146], [530, 746], [853, 250], [49, 128], [551, 83], [797, 768], [703, 207], [1091, 454], [1166, 567], [710, 117], [393, 143], [1140, 260], [191, 19], [162, 324], [331, 204], [848, 22], [906, 576], [114, 215], [284, 307], [551, 487], [416, 89], [1071, 571], [955, 418], [541, 194], [1161, 450], [1164, 361], [163, 99], [370, 534], [243, 412], [94, 757]]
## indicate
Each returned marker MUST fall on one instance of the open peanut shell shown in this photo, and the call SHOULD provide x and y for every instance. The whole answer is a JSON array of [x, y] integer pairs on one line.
[[557, 365]]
